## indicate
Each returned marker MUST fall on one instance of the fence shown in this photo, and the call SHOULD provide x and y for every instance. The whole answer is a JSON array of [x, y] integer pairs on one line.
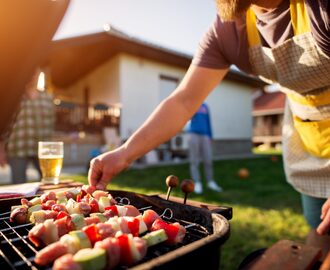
[[90, 118]]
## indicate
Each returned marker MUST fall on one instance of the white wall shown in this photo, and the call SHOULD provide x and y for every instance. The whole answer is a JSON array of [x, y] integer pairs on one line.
[[139, 89], [231, 111], [135, 83], [103, 83]]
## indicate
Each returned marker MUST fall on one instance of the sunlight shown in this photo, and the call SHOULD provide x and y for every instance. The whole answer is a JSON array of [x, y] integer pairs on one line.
[[41, 82]]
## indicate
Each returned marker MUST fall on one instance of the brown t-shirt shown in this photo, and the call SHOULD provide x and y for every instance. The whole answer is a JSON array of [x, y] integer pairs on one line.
[[225, 43]]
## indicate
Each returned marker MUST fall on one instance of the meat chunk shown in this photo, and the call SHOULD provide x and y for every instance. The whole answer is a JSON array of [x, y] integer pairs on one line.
[[50, 253], [66, 262]]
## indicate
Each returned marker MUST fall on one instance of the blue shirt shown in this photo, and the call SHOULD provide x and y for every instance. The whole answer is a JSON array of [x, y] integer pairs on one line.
[[200, 122]]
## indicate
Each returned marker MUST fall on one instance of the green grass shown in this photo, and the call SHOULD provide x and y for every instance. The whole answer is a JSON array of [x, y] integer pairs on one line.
[[270, 151], [265, 208]]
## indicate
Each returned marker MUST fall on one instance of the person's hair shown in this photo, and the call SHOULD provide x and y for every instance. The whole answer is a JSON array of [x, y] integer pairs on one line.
[[229, 10]]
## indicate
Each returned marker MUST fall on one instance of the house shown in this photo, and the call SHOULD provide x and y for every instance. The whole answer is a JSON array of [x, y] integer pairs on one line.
[[110, 79], [268, 112]]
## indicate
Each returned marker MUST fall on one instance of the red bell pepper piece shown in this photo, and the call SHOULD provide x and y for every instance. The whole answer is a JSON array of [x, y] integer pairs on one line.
[[134, 226], [125, 251], [62, 214], [83, 193], [113, 209], [92, 233], [94, 205], [170, 229]]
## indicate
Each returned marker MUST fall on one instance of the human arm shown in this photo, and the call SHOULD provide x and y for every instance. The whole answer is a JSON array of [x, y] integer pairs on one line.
[[166, 120], [324, 226]]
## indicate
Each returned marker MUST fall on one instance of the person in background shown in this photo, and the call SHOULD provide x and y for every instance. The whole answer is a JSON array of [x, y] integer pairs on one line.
[[34, 122], [281, 41], [200, 148]]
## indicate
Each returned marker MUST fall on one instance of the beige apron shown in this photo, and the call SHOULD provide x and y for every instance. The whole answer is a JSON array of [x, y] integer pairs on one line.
[[302, 70]]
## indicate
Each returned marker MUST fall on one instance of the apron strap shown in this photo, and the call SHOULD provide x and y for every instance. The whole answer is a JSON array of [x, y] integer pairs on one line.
[[299, 19], [251, 28]]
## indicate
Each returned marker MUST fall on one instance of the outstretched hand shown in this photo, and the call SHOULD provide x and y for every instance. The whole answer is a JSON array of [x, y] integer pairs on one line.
[[105, 166], [324, 226]]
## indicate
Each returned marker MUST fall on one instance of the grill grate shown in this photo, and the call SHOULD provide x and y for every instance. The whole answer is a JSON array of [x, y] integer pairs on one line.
[[17, 252]]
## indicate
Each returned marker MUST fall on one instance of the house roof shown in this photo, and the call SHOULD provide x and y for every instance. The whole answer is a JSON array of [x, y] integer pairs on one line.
[[66, 65], [269, 103]]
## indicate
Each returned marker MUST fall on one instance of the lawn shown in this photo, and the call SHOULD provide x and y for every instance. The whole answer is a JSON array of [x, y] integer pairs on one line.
[[265, 208]]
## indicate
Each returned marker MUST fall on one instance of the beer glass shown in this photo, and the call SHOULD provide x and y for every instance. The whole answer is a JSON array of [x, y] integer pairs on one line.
[[50, 156]]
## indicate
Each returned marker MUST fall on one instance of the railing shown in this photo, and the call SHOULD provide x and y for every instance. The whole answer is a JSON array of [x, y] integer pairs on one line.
[[90, 118], [270, 125], [268, 131]]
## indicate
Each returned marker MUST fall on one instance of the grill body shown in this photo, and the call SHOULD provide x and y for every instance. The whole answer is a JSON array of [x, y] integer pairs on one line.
[[206, 233]]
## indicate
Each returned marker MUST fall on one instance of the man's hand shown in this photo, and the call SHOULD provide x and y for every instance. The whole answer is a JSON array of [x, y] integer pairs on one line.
[[324, 226], [104, 167]]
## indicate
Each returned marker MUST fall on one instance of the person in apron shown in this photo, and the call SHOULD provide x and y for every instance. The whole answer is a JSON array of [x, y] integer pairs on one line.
[[306, 127], [297, 63]]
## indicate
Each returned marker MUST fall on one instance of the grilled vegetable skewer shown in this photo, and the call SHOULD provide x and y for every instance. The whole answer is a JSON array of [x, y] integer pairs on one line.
[[123, 249], [133, 248], [50, 231], [84, 201], [92, 234]]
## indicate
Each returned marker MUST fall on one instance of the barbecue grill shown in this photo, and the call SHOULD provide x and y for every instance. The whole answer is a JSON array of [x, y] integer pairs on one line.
[[207, 231]]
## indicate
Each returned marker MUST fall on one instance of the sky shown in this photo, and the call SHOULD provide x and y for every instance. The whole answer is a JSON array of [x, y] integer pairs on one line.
[[174, 24]]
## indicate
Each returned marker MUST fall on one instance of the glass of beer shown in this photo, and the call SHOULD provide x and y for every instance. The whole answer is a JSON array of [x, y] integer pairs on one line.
[[50, 156]]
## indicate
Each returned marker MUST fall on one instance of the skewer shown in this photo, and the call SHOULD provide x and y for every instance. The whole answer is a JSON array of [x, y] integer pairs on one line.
[[145, 208], [121, 200], [171, 181], [187, 186], [190, 225], [167, 210]]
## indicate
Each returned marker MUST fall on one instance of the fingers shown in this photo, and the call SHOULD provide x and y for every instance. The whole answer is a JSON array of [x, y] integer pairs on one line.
[[98, 175], [325, 216], [94, 172], [325, 208], [324, 226], [104, 167], [102, 184]]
